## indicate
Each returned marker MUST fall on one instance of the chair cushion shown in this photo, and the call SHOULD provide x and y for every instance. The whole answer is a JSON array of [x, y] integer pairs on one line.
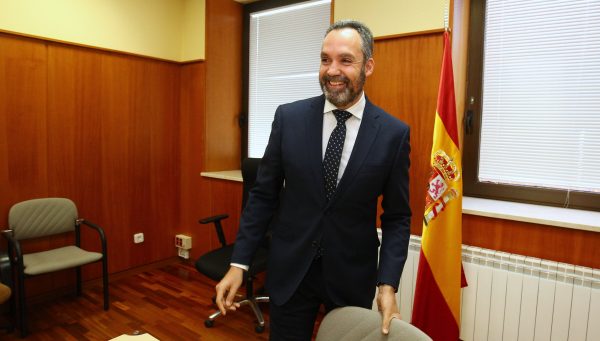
[[360, 324], [58, 259], [4, 293]]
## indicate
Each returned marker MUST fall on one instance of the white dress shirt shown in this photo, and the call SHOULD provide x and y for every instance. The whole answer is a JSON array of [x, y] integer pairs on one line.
[[352, 125], [329, 123]]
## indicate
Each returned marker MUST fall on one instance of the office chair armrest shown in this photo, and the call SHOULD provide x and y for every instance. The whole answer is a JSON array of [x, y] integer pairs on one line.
[[213, 218], [91, 225], [216, 220], [13, 246]]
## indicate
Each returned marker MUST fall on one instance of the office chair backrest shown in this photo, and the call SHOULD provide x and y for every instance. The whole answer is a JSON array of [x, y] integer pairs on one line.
[[249, 172], [360, 324], [42, 217]]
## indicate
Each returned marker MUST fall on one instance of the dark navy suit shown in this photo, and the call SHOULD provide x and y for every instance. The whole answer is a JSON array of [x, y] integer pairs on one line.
[[343, 229]]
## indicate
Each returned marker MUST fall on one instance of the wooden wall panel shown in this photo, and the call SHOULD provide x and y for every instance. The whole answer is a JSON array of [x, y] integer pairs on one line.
[[100, 128], [405, 84], [541, 241], [23, 133], [227, 198], [223, 84], [196, 197]]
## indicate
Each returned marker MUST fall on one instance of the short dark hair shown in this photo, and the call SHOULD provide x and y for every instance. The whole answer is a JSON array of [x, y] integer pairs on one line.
[[365, 35]]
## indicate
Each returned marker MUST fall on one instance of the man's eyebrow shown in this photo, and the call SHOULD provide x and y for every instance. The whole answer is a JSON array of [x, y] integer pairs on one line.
[[343, 55]]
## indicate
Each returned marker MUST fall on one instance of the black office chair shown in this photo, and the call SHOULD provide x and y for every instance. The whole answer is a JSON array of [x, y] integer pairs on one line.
[[215, 264]]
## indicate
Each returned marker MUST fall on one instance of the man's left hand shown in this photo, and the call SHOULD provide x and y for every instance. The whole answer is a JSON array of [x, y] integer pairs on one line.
[[386, 302]]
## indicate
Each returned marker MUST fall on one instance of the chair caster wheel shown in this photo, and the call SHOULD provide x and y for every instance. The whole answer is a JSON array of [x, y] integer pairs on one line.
[[259, 329], [209, 323]]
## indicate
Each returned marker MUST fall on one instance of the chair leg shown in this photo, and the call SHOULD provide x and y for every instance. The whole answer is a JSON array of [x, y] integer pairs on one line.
[[78, 279], [253, 303], [22, 306], [256, 309], [105, 281]]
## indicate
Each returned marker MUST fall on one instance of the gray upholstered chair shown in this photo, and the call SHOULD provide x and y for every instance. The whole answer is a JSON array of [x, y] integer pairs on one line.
[[42, 218], [360, 324]]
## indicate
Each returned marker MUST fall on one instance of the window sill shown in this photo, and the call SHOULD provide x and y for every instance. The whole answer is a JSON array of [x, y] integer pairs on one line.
[[545, 215], [529, 213], [232, 175]]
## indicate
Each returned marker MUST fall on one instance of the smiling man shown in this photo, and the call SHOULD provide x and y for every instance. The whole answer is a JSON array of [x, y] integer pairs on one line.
[[336, 153]]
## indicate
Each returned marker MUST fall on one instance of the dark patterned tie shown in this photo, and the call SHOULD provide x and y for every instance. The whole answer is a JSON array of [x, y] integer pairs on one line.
[[333, 153]]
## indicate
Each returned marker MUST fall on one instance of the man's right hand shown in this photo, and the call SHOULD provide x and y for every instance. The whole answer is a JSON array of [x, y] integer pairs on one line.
[[227, 288]]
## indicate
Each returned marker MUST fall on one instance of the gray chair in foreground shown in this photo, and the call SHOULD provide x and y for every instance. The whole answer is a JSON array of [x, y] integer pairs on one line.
[[360, 324], [42, 218]]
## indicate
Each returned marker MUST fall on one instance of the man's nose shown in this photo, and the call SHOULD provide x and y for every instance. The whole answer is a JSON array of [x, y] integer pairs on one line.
[[333, 69]]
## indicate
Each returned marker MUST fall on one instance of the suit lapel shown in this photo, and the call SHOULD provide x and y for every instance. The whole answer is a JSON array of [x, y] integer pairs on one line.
[[314, 142], [366, 135]]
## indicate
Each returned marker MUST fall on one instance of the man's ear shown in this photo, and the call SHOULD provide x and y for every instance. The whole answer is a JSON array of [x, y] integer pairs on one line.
[[369, 67]]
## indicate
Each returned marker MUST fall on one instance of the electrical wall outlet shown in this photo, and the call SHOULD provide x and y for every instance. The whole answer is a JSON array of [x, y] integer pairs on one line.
[[183, 253], [138, 238], [183, 242]]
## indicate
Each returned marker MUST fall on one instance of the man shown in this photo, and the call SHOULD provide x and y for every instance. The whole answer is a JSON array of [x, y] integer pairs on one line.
[[324, 242]]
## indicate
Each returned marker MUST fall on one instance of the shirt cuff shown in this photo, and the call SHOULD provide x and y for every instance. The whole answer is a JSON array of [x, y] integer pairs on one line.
[[381, 283], [241, 266]]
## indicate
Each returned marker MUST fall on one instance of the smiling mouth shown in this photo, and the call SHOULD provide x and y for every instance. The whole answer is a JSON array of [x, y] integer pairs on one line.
[[336, 84]]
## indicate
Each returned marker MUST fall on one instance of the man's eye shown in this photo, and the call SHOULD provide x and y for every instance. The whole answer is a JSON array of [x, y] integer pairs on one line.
[[324, 60], [347, 61]]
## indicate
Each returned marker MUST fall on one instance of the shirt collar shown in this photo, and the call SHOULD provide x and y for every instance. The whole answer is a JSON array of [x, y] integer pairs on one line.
[[356, 110]]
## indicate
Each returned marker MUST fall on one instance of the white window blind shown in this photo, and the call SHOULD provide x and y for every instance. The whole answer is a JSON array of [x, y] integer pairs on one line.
[[285, 47], [541, 94]]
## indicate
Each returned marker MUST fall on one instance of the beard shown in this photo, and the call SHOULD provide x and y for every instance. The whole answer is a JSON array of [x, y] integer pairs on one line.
[[344, 97]]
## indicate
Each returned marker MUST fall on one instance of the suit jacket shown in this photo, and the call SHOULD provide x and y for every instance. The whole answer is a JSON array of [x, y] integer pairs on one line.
[[342, 229]]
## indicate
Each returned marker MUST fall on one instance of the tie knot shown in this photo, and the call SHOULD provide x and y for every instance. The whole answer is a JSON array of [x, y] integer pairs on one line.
[[341, 115]]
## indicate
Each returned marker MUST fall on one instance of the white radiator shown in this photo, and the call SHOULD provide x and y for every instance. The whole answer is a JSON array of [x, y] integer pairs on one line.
[[513, 297]]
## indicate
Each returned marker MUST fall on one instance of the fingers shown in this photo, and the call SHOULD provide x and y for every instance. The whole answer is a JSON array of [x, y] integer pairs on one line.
[[387, 321], [231, 298], [219, 300], [226, 290]]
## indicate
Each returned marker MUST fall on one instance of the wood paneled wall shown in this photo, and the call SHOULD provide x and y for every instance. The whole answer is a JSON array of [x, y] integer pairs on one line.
[[126, 138], [405, 84], [210, 140], [97, 127], [201, 197], [224, 23]]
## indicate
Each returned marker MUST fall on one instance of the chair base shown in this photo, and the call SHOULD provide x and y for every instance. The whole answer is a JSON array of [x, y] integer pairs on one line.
[[253, 303]]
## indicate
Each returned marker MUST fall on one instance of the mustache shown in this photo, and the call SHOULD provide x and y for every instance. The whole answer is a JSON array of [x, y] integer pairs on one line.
[[327, 78]]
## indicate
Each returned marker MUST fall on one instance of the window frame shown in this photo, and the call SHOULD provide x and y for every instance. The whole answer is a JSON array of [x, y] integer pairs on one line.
[[472, 131], [247, 10]]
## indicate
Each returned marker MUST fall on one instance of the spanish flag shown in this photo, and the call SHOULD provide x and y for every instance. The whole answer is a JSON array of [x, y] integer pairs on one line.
[[436, 309]]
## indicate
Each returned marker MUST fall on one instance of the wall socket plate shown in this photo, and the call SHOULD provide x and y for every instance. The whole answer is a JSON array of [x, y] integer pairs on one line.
[[183, 253], [138, 238], [183, 242]]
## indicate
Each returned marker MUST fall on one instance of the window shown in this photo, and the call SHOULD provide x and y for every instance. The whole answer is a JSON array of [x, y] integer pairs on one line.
[[533, 102], [283, 64]]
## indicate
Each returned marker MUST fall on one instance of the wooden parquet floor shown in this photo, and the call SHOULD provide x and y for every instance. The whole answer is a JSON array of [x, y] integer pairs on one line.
[[170, 302]]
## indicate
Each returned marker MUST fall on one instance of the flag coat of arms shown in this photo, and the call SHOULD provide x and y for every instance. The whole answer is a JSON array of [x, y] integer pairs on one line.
[[436, 309]]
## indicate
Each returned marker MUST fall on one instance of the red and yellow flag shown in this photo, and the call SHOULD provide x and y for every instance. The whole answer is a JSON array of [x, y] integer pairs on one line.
[[436, 309]]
